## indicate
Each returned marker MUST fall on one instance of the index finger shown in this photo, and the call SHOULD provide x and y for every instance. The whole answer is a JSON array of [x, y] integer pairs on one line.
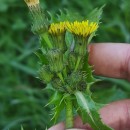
[[110, 59]]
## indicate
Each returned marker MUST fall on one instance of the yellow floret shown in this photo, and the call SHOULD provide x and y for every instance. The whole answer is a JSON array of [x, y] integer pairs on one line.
[[57, 28], [83, 28], [32, 2]]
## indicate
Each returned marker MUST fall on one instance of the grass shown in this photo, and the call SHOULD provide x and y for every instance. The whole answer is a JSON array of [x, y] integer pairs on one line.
[[23, 106]]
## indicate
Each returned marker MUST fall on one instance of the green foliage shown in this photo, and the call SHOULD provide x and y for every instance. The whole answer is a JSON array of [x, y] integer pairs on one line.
[[95, 15], [18, 65], [59, 105], [89, 111], [65, 15], [16, 59], [22, 106]]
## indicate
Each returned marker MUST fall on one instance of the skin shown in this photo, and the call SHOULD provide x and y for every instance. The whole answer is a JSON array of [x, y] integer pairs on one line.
[[110, 60]]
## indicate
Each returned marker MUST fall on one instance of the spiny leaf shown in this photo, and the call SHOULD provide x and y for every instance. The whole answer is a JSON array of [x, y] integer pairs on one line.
[[95, 15], [59, 104], [88, 69], [89, 111], [57, 100], [64, 15], [89, 77], [41, 57], [49, 88], [51, 17], [57, 111], [91, 36], [56, 97]]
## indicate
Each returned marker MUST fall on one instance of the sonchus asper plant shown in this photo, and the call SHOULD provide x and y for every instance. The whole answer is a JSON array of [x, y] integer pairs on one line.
[[64, 63]]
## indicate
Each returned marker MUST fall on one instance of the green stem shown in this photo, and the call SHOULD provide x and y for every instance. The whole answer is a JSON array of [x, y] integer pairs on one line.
[[77, 64], [69, 113], [65, 72], [45, 37], [61, 77]]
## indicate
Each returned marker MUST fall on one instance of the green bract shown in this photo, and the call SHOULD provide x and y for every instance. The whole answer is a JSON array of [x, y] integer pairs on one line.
[[65, 67]]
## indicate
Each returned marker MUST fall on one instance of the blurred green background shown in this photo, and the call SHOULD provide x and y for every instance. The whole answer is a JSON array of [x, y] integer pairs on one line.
[[22, 100]]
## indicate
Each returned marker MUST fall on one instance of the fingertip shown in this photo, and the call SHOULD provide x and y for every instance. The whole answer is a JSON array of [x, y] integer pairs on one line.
[[110, 59], [117, 115], [59, 126]]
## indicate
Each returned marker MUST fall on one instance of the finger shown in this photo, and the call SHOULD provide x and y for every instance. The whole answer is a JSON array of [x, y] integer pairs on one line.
[[60, 126], [115, 115], [110, 59]]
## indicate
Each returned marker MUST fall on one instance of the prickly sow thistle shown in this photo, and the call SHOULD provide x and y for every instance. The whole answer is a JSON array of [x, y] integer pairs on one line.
[[64, 64]]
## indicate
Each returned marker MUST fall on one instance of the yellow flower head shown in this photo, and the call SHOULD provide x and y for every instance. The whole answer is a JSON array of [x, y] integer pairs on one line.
[[32, 3], [57, 28], [83, 28]]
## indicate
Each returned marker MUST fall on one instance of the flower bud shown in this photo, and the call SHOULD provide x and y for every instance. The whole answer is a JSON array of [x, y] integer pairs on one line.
[[40, 23], [57, 84], [59, 42], [39, 26], [45, 74], [57, 33], [75, 78], [77, 81], [81, 31], [55, 57]]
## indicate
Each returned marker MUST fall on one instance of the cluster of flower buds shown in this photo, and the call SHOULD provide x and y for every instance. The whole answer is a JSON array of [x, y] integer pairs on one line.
[[65, 64]]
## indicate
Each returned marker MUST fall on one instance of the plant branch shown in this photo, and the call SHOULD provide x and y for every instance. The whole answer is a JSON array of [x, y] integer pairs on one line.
[[45, 37], [69, 113], [77, 64]]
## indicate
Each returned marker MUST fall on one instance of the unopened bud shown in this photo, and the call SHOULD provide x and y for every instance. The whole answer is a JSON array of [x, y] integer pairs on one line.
[[39, 22], [57, 33], [57, 84], [77, 80], [45, 74], [59, 42], [55, 57], [39, 27]]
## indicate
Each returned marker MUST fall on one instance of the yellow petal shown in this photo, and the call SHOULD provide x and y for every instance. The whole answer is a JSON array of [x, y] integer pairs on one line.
[[32, 2]]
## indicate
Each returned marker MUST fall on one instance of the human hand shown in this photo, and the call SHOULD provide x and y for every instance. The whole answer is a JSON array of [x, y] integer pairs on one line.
[[111, 60]]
